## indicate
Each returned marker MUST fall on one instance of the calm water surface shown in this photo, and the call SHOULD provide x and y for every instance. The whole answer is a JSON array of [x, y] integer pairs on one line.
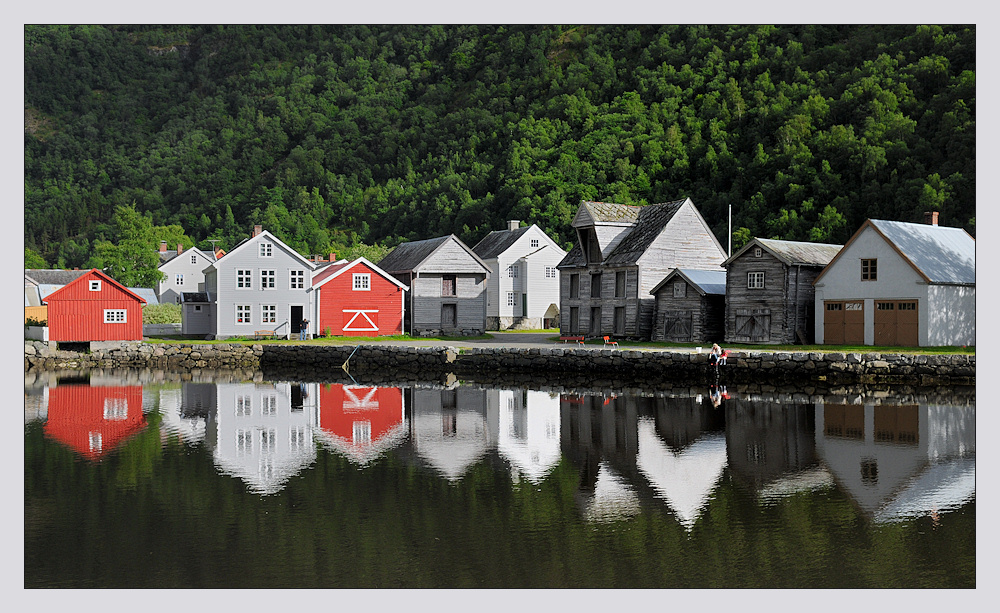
[[228, 483]]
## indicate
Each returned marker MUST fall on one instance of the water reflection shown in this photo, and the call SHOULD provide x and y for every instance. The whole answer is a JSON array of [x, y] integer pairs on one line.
[[93, 420], [361, 422]]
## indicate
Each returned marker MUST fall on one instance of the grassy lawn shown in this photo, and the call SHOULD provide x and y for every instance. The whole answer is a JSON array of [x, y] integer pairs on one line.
[[324, 340]]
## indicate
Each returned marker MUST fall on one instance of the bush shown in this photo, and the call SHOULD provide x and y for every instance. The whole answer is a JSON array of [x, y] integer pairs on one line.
[[31, 321], [161, 314]]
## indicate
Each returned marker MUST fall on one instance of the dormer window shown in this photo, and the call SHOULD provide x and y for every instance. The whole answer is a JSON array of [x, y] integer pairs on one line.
[[95, 285]]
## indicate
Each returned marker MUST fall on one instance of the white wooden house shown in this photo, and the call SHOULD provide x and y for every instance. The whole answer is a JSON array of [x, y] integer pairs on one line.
[[898, 283], [183, 270], [523, 289]]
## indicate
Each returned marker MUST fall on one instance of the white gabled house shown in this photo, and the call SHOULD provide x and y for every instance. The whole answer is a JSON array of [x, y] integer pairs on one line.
[[899, 283], [183, 272], [523, 291], [262, 284]]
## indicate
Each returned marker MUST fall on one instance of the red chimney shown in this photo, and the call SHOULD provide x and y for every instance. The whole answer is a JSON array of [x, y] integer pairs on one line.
[[163, 246], [257, 230], [180, 248], [333, 257], [931, 218]]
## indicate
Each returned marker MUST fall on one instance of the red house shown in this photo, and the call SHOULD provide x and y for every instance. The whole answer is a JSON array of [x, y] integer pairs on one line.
[[94, 307], [94, 420], [361, 422], [358, 299]]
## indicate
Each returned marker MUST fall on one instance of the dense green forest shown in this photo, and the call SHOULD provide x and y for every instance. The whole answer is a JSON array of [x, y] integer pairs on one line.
[[341, 138]]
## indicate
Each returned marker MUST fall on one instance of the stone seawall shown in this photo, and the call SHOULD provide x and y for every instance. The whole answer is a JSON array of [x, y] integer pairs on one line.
[[595, 365]]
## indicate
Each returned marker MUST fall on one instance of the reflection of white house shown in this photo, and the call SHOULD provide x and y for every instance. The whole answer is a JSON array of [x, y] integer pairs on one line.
[[529, 431], [263, 432], [900, 461], [174, 424], [684, 479], [450, 430], [613, 498]]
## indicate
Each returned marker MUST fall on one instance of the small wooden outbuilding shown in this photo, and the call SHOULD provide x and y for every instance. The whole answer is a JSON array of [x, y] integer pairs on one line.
[[690, 306], [94, 307], [357, 299]]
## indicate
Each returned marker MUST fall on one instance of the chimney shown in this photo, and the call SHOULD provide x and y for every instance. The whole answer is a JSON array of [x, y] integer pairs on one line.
[[257, 230], [513, 224], [931, 218], [333, 257], [180, 248], [163, 246]]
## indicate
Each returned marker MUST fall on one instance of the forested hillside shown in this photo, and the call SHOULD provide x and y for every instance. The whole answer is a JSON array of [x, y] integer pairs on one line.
[[341, 136]]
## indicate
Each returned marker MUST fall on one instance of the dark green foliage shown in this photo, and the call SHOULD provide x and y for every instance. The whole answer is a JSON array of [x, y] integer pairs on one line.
[[332, 136]]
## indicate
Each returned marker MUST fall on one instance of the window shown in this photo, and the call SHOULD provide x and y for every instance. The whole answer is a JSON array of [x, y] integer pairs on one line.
[[269, 405], [243, 407], [512, 271], [885, 306], [267, 279], [757, 252], [115, 316], [95, 441], [907, 306], [755, 280], [244, 442], [194, 259], [115, 409], [362, 282], [834, 306], [869, 270], [854, 306], [197, 308], [95, 285], [297, 438], [550, 272], [595, 285], [268, 438], [296, 279], [620, 284], [534, 242], [511, 299], [242, 313], [448, 285], [178, 279], [265, 250], [680, 289], [243, 279], [362, 432], [177, 299], [268, 314], [574, 286]]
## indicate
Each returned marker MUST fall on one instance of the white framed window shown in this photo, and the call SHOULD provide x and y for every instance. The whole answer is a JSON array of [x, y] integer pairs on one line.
[[242, 313], [243, 406], [269, 405], [178, 279], [268, 438], [512, 271], [757, 252], [95, 285], [115, 316], [95, 441], [244, 442], [534, 242], [243, 279], [266, 250], [362, 432], [266, 279], [194, 259], [755, 280], [362, 282], [550, 272], [511, 299], [268, 314], [296, 279], [297, 438], [115, 409]]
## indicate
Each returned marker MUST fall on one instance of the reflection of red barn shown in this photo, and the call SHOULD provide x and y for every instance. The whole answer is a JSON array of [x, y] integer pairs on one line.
[[361, 422], [94, 307], [358, 299], [94, 420]]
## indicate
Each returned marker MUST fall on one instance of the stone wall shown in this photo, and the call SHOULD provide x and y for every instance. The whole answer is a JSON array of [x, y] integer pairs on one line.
[[596, 366]]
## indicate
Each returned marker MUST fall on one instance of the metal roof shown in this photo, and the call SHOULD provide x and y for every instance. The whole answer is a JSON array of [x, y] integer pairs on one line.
[[712, 282], [498, 241], [407, 256], [146, 293], [942, 254], [46, 276]]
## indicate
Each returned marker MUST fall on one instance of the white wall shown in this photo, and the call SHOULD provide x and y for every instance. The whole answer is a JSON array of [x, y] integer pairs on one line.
[[951, 316]]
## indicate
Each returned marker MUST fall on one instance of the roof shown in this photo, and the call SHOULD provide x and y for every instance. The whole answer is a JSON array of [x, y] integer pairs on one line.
[[104, 276], [793, 253], [194, 297], [264, 233], [591, 213], [649, 224], [338, 268], [712, 282], [45, 276], [939, 253], [574, 258], [166, 256], [498, 241], [146, 293], [407, 257]]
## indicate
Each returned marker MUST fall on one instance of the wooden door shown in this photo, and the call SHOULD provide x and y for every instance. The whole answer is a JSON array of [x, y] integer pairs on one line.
[[753, 325], [448, 315], [907, 323], [574, 320], [844, 322], [833, 322], [677, 326], [885, 323]]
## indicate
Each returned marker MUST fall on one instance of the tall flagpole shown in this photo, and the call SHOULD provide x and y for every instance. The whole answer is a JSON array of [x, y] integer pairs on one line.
[[730, 230]]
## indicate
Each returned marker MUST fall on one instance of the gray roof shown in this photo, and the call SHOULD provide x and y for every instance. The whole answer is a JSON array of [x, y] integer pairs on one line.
[[194, 297], [712, 282], [574, 258], [605, 212], [649, 224], [45, 276], [146, 293], [166, 256], [408, 256], [796, 252], [940, 253], [497, 241]]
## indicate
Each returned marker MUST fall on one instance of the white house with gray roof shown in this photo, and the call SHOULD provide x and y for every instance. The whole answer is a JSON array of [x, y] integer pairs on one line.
[[183, 271], [523, 289], [899, 283]]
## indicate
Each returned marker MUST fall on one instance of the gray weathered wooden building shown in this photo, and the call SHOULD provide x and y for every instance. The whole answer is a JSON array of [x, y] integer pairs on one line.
[[770, 298], [690, 306], [622, 252], [447, 283]]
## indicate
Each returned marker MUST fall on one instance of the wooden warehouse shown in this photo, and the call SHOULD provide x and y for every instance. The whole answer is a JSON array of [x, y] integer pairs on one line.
[[94, 307]]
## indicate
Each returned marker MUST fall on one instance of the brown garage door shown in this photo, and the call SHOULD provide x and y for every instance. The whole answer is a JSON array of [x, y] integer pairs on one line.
[[896, 323], [844, 322]]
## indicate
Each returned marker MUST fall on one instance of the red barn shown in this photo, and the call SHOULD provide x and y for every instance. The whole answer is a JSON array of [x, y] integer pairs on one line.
[[94, 420], [361, 422], [94, 307], [358, 299]]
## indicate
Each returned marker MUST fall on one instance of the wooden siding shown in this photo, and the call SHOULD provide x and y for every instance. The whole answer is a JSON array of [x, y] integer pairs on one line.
[[788, 298], [426, 302], [450, 258], [685, 242], [76, 314], [706, 314], [41, 313], [339, 294]]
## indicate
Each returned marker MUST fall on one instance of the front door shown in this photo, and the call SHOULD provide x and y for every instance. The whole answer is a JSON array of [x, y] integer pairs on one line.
[[448, 316], [296, 319]]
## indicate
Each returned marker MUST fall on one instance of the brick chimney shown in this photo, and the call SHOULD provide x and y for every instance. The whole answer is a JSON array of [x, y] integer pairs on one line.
[[513, 224], [180, 248], [163, 246], [257, 230], [333, 257], [931, 218]]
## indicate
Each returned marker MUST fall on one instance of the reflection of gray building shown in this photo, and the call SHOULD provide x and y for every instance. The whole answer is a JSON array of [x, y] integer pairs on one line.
[[188, 428], [450, 429], [899, 461], [528, 433], [262, 432], [767, 442]]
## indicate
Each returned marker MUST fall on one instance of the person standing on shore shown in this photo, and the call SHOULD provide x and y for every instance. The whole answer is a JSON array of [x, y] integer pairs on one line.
[[303, 328]]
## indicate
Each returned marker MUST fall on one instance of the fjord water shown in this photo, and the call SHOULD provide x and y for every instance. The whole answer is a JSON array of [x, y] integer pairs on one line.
[[228, 483]]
